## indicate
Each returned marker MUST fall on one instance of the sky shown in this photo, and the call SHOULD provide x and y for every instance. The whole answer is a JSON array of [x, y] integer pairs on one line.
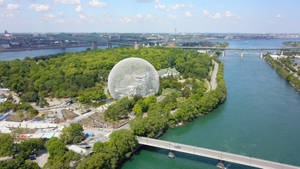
[[142, 16]]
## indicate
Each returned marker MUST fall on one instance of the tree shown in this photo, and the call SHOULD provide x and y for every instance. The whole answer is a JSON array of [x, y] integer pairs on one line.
[[28, 147], [55, 147], [6, 145], [96, 161], [72, 134], [62, 161], [137, 109]]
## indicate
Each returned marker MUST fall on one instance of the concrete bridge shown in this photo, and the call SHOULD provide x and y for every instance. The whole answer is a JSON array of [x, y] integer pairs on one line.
[[218, 155], [241, 51], [236, 49]]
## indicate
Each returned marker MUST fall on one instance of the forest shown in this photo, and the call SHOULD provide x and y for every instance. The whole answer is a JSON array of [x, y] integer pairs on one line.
[[79, 74]]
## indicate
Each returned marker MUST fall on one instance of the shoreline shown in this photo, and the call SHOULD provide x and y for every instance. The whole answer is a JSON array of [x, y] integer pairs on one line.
[[283, 72], [42, 48]]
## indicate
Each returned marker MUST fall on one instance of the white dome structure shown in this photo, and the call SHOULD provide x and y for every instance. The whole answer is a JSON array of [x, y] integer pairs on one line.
[[133, 76]]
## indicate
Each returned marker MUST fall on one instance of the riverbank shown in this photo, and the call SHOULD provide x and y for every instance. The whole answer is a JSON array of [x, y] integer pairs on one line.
[[40, 48], [284, 72]]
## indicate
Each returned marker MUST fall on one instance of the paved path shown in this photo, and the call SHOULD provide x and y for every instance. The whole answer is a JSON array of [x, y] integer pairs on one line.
[[218, 155], [213, 81], [208, 85]]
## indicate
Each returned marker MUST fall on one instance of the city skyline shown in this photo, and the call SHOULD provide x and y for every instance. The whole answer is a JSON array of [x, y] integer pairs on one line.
[[144, 16]]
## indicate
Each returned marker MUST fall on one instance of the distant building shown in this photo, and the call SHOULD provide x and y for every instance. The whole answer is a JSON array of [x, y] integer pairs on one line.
[[168, 72], [4, 46], [136, 46], [171, 44], [278, 56], [94, 46], [202, 51], [6, 34]]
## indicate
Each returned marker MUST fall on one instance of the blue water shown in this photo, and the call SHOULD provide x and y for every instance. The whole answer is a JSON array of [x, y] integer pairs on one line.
[[260, 118], [5, 56]]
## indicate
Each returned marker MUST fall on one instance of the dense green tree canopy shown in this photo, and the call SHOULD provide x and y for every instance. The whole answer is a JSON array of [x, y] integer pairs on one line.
[[6, 145], [109, 154], [70, 74], [72, 134], [55, 147]]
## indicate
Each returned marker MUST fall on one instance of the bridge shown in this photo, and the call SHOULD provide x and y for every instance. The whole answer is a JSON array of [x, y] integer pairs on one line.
[[221, 48], [241, 51], [218, 155]]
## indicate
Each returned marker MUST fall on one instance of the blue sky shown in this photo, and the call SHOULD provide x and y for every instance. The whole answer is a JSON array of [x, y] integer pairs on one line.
[[246, 16]]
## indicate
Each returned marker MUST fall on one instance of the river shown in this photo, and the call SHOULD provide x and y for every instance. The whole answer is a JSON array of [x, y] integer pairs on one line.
[[260, 118], [5, 56]]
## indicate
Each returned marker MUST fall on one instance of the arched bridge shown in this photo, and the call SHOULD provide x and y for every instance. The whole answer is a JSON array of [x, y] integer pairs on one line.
[[218, 155]]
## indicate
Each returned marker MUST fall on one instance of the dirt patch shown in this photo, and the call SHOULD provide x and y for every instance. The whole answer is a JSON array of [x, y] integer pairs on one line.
[[67, 114], [19, 116], [97, 120]]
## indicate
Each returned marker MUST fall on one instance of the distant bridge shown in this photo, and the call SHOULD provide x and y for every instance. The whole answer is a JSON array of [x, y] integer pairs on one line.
[[218, 155], [239, 49]]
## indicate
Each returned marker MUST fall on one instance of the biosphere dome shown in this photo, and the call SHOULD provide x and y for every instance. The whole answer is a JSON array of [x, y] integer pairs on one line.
[[133, 76]]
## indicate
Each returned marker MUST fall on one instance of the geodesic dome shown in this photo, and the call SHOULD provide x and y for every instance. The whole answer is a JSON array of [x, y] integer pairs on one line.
[[133, 76]]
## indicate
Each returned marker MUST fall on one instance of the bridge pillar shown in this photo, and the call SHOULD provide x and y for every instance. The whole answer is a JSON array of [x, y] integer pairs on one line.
[[221, 165], [242, 55], [171, 155], [261, 55], [281, 52], [223, 54]]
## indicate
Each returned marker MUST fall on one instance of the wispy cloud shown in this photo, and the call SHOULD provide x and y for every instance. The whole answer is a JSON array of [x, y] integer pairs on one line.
[[172, 16], [79, 8], [218, 15], [163, 7], [188, 14], [39, 7], [68, 2], [12, 6], [97, 3], [49, 16], [125, 20], [181, 6]]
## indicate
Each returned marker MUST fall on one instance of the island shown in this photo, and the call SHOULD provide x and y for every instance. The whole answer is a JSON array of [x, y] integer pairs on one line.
[[295, 44], [57, 111]]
